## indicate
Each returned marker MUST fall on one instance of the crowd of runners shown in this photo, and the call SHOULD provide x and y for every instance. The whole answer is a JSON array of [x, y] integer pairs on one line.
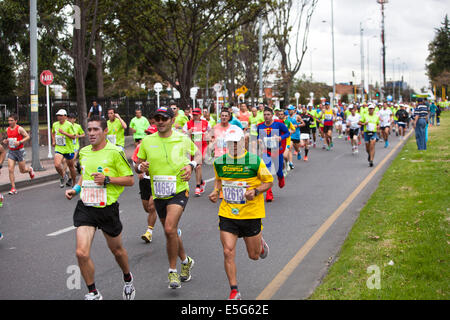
[[246, 147]]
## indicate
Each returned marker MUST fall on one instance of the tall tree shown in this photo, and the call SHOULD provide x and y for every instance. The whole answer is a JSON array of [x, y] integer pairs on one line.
[[289, 23], [438, 67], [176, 36]]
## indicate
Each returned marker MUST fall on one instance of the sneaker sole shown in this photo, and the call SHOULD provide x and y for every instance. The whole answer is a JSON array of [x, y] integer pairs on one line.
[[174, 286], [146, 239]]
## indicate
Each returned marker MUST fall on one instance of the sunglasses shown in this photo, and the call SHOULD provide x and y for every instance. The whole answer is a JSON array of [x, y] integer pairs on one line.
[[161, 118]]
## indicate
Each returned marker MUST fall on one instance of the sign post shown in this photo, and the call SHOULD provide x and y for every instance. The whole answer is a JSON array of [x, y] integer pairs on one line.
[[194, 91], [158, 88], [217, 89], [297, 96], [46, 80]]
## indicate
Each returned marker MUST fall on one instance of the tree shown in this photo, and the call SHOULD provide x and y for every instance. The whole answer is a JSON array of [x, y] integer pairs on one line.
[[176, 36], [289, 23], [439, 55]]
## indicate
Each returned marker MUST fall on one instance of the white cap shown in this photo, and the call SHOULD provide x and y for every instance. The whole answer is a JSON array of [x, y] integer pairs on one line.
[[234, 134], [350, 106], [371, 106], [61, 112]]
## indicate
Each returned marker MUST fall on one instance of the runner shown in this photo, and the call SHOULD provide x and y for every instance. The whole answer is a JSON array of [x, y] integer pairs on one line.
[[385, 115], [313, 124], [162, 155], [270, 136], [138, 125], [105, 173], [296, 121], [287, 155], [307, 119], [63, 135], [244, 178], [116, 128], [198, 130], [353, 128], [17, 136], [179, 115], [219, 131], [402, 118], [371, 123], [328, 117], [254, 119]]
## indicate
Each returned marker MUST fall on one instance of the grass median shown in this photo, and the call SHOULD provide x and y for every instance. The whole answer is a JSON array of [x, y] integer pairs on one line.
[[399, 247]]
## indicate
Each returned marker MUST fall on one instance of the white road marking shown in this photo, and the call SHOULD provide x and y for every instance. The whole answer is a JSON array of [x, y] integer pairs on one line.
[[57, 233]]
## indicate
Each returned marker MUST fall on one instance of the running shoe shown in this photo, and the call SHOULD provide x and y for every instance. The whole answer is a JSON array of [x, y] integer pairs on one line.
[[264, 250], [1, 236], [147, 237], [197, 192], [174, 280], [281, 182], [31, 173], [62, 182], [370, 163], [291, 165], [185, 274], [235, 295], [386, 144], [128, 290], [299, 156], [305, 158], [93, 296], [69, 182], [12, 191], [1, 200], [269, 195]]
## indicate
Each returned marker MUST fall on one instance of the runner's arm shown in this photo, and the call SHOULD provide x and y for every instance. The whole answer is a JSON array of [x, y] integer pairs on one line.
[[72, 192], [25, 135]]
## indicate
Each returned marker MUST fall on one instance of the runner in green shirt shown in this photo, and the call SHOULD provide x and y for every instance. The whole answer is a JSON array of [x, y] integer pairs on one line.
[[105, 173], [116, 128], [371, 123], [138, 125], [62, 139], [164, 157]]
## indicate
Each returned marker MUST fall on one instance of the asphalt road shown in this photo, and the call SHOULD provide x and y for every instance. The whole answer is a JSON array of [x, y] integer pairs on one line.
[[38, 252]]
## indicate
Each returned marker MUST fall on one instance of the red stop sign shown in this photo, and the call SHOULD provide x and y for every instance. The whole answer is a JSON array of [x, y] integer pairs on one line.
[[46, 77]]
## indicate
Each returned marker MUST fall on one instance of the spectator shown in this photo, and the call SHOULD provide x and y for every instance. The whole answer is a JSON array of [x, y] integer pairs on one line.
[[420, 124], [96, 110], [433, 108]]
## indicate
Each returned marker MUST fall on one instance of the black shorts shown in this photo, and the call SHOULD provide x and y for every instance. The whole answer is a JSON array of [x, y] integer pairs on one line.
[[327, 128], [353, 132], [145, 189], [107, 219], [180, 199], [240, 227], [312, 130], [295, 140]]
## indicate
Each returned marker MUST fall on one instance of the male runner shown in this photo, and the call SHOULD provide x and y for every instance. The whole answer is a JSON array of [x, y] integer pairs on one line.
[[138, 125], [162, 155], [328, 116], [371, 123], [244, 178], [402, 118], [306, 120], [63, 135], [270, 136], [17, 136], [385, 115], [353, 127], [116, 128], [105, 173]]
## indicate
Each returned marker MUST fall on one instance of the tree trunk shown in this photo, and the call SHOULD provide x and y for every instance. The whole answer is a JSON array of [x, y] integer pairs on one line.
[[99, 67]]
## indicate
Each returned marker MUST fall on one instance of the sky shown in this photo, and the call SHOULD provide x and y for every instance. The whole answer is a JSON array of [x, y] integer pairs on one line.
[[409, 28]]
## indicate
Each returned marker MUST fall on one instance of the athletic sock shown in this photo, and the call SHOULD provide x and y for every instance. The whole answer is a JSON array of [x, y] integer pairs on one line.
[[127, 277], [306, 152], [185, 261], [173, 270], [91, 288], [234, 288]]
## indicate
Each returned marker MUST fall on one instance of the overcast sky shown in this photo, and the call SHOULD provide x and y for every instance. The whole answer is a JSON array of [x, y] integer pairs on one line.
[[409, 27]]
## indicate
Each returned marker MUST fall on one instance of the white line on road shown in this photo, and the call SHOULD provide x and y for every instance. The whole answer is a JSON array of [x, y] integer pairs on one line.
[[57, 233]]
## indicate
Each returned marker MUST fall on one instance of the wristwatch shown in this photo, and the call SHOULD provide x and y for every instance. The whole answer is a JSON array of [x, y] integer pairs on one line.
[[256, 192], [107, 180]]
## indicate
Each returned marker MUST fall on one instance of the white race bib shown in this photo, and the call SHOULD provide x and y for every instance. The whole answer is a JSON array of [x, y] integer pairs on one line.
[[271, 142], [93, 194], [164, 186], [11, 142], [371, 127], [60, 140], [234, 191], [111, 138], [244, 124], [197, 136]]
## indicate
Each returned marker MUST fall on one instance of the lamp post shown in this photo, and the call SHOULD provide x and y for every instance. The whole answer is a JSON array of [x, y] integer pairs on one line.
[[383, 49], [332, 45]]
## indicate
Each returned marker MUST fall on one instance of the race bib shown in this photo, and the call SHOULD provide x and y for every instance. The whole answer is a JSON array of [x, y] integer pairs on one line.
[[234, 191], [164, 186], [271, 142], [371, 127], [11, 142], [111, 138], [244, 124], [197, 136], [93, 194], [221, 143], [328, 117], [60, 140], [254, 127]]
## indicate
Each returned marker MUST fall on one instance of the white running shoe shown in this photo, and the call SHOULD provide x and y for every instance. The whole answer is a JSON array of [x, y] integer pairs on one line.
[[93, 296]]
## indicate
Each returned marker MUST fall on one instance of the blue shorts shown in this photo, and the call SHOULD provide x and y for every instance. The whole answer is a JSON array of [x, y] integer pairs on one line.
[[68, 156], [370, 136]]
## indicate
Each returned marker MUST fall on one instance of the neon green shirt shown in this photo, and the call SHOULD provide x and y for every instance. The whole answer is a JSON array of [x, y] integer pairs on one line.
[[373, 120], [166, 157], [79, 131], [140, 125], [111, 161], [63, 143], [253, 123], [180, 119], [116, 133]]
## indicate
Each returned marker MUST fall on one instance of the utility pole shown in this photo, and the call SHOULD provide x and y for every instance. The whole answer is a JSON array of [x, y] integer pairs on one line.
[[361, 30], [34, 97], [260, 40], [332, 45], [383, 50]]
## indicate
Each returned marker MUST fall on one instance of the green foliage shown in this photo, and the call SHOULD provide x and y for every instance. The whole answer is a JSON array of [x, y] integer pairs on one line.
[[439, 52]]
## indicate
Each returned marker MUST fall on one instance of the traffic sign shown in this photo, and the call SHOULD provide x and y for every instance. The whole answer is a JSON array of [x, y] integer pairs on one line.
[[217, 87], [241, 90], [158, 87], [46, 77]]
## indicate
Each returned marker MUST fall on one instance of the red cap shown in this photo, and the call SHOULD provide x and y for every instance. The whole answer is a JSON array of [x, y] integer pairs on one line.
[[197, 111]]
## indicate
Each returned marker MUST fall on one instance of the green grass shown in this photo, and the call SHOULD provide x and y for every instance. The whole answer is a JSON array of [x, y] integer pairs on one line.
[[405, 221]]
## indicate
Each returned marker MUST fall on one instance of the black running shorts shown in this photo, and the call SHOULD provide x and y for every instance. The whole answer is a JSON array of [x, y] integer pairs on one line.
[[240, 227], [145, 189], [107, 219], [180, 199]]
